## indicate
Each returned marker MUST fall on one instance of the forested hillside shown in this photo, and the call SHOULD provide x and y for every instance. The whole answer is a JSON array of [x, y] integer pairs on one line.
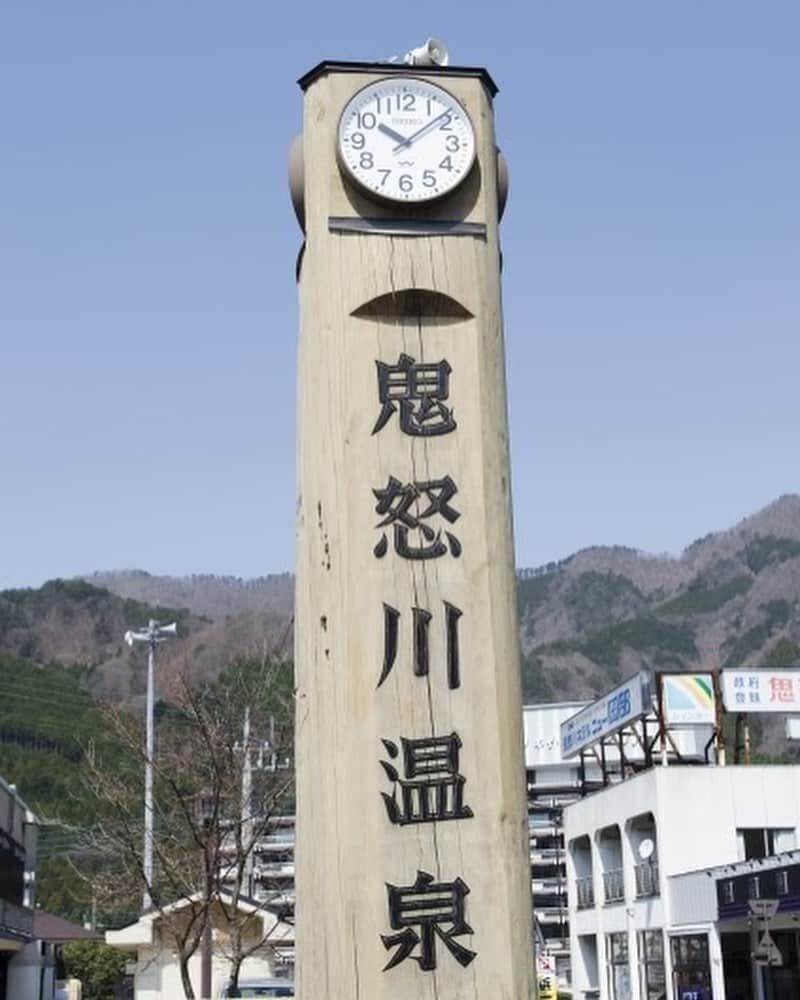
[[731, 599], [77, 624]]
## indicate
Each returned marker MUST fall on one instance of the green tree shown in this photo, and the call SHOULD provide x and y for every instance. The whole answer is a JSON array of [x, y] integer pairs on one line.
[[97, 965]]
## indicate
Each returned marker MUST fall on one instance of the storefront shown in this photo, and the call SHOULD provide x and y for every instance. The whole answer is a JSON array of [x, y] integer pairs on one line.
[[691, 967], [759, 928]]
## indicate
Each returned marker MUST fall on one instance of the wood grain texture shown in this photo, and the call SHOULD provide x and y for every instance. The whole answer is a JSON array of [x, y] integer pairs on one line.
[[347, 849]]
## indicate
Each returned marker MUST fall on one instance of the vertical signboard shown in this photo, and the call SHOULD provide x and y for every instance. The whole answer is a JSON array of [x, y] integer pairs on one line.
[[412, 868]]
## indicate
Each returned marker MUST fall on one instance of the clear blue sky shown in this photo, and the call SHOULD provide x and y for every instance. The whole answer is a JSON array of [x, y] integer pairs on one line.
[[148, 306]]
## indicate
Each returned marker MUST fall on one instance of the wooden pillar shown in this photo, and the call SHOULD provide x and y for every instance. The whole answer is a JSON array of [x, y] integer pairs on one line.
[[412, 869]]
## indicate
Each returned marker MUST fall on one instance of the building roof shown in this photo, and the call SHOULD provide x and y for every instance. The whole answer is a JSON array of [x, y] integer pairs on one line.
[[752, 865], [398, 68], [554, 706], [141, 931], [55, 930], [12, 790]]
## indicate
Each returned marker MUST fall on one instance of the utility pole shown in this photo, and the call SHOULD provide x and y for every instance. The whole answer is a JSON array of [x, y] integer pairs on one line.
[[247, 804], [152, 635], [208, 817], [207, 947]]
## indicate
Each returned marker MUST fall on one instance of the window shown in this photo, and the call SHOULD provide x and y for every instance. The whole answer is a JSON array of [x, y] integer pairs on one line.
[[691, 971], [614, 885], [12, 872], [760, 842], [585, 892], [587, 956], [619, 973], [647, 878], [754, 887], [727, 891], [754, 844], [652, 976], [782, 883]]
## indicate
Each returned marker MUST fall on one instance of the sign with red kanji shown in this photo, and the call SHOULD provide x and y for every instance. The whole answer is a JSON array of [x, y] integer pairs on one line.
[[762, 690]]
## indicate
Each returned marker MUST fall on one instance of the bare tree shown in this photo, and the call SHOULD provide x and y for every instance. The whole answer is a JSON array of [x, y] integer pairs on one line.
[[261, 698], [208, 815]]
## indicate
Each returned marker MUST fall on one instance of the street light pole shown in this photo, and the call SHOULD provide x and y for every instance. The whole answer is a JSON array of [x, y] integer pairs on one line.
[[207, 815], [152, 635], [246, 817]]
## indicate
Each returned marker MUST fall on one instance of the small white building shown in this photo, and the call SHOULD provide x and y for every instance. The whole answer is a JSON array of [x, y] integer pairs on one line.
[[156, 973], [643, 857]]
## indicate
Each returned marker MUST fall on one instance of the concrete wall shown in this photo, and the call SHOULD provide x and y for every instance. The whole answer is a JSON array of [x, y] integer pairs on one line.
[[700, 809]]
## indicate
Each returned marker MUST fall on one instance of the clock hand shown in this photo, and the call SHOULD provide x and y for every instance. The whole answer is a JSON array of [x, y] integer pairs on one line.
[[425, 128], [391, 133]]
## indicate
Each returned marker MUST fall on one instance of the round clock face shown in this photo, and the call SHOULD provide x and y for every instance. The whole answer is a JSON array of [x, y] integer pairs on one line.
[[406, 140]]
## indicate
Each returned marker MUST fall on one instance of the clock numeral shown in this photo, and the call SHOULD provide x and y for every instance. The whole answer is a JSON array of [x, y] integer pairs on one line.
[[402, 102], [429, 178], [446, 120], [446, 164], [357, 140], [366, 119], [385, 177], [366, 161], [452, 145], [406, 183]]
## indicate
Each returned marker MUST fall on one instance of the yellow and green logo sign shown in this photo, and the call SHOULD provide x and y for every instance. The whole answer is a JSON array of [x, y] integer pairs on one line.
[[689, 699]]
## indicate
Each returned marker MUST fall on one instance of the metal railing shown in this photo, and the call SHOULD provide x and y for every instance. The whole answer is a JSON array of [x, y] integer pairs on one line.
[[647, 879], [275, 870], [613, 886], [278, 838], [546, 854], [585, 892], [16, 919]]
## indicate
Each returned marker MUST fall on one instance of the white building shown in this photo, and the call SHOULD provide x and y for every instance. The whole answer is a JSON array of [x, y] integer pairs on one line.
[[553, 782], [643, 860], [29, 938], [21, 955], [156, 971]]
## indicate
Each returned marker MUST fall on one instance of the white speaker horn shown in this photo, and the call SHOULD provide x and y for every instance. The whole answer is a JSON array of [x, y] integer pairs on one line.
[[171, 629], [432, 53]]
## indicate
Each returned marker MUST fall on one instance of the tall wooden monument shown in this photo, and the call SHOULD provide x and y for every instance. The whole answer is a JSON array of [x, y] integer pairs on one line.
[[412, 861]]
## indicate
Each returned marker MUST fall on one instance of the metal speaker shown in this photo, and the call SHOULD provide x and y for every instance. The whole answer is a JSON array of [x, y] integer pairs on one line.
[[432, 53]]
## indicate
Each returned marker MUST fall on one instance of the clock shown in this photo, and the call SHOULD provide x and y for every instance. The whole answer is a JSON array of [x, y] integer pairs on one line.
[[405, 140]]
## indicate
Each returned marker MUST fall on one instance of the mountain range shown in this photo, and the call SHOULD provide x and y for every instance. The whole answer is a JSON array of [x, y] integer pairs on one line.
[[731, 598]]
